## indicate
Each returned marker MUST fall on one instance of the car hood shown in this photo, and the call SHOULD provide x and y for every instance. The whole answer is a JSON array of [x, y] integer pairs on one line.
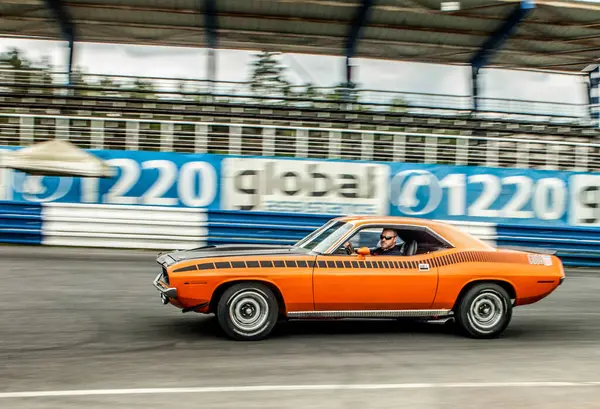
[[226, 250]]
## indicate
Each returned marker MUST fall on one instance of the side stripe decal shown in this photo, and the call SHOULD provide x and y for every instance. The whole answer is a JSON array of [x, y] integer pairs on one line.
[[435, 261]]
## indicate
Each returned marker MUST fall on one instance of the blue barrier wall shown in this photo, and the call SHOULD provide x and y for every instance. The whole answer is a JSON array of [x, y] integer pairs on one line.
[[246, 227], [575, 246], [20, 223]]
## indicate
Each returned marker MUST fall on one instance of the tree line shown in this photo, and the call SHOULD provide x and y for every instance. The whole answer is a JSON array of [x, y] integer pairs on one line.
[[267, 83]]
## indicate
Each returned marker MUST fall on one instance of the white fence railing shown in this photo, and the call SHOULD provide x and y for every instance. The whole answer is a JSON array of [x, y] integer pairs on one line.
[[300, 141]]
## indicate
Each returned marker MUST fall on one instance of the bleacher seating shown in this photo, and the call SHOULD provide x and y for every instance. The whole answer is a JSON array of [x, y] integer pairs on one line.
[[34, 108]]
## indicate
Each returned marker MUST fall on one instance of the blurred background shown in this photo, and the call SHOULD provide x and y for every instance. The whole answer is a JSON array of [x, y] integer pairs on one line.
[[128, 127]]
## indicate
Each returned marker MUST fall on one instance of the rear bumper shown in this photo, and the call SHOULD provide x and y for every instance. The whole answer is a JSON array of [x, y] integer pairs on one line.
[[166, 292]]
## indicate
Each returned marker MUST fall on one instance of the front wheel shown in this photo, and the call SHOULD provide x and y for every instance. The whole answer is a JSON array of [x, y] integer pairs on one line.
[[248, 311], [484, 311]]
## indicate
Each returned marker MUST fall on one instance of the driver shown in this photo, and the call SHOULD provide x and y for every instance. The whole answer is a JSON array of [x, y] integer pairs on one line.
[[387, 247], [388, 244]]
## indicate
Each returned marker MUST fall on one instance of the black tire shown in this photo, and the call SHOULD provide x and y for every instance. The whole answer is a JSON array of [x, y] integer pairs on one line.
[[485, 300], [262, 313]]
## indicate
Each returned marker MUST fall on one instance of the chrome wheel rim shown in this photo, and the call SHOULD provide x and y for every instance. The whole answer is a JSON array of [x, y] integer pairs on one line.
[[248, 311], [486, 311]]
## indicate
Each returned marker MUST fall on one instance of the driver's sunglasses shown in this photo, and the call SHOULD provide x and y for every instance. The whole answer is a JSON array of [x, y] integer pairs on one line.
[[386, 237]]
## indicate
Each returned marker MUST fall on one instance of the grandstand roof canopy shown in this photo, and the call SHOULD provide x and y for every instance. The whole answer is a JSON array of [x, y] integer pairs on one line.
[[556, 35]]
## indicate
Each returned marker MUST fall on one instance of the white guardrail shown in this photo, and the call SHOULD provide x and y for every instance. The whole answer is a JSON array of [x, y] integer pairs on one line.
[[151, 227], [140, 227], [160, 228]]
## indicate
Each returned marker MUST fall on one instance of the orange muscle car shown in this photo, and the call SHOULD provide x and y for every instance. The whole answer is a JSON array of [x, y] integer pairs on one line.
[[402, 267]]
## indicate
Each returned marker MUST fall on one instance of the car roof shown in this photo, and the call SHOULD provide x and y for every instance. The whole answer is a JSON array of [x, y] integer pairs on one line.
[[388, 219], [456, 235]]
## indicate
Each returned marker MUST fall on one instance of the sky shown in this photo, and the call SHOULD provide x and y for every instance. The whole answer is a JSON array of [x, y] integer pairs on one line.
[[188, 63]]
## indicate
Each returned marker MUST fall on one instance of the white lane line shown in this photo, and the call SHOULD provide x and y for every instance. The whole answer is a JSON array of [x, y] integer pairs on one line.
[[274, 388]]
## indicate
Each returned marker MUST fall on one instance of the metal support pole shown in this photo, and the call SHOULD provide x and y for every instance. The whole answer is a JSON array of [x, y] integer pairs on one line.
[[211, 69], [211, 26], [594, 95], [70, 63], [348, 79], [497, 40], [358, 22], [475, 87], [67, 29]]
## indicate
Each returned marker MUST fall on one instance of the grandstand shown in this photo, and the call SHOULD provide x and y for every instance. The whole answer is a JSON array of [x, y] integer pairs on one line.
[[207, 117]]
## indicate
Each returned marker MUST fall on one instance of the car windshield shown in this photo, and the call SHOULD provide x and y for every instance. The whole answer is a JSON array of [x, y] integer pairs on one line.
[[324, 236]]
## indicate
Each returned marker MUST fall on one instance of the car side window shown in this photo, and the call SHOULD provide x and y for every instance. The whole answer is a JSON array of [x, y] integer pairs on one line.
[[422, 241], [413, 240], [366, 237]]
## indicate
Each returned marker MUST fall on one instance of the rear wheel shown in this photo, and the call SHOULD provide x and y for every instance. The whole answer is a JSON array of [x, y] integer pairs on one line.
[[248, 311], [484, 311]]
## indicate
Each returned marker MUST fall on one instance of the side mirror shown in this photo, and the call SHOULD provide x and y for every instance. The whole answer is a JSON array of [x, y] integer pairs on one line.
[[363, 251]]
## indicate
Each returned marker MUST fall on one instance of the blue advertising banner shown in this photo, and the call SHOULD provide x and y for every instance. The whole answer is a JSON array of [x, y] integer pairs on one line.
[[498, 195], [143, 178], [310, 186]]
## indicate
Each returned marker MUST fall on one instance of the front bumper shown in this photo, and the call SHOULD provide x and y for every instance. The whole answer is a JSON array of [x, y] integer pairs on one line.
[[166, 292]]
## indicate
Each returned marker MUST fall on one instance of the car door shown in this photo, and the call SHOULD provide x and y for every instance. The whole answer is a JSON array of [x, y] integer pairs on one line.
[[353, 282]]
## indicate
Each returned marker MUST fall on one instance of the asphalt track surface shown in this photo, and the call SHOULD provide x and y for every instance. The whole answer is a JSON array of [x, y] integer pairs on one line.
[[85, 328]]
